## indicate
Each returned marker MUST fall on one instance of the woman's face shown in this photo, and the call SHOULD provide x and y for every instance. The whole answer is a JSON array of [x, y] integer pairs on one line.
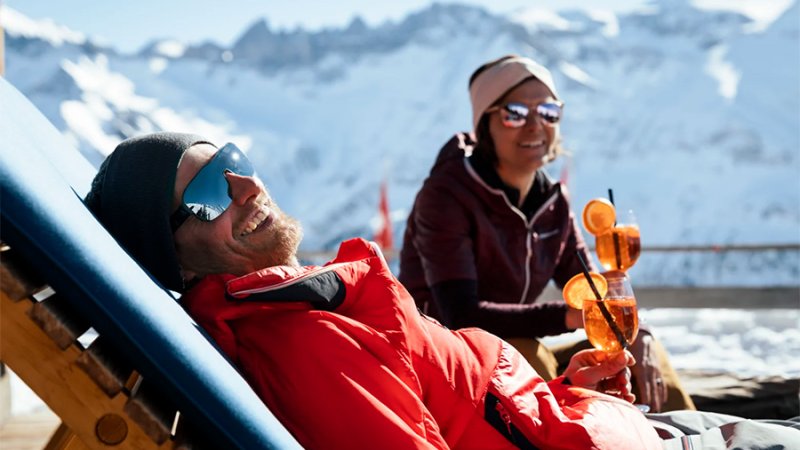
[[524, 150]]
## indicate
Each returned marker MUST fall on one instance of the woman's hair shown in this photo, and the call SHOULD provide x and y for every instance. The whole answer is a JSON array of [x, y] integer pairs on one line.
[[484, 145]]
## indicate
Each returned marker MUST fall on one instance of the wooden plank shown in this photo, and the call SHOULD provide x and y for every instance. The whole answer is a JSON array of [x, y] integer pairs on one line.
[[55, 377], [149, 410], [109, 370], [65, 439], [183, 438], [18, 281], [59, 321]]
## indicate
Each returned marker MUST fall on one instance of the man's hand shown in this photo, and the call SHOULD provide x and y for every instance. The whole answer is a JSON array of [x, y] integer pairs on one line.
[[651, 388], [603, 372]]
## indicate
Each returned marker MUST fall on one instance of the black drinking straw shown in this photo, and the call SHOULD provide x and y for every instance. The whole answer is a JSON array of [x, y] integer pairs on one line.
[[614, 235], [606, 315], [611, 198], [617, 256]]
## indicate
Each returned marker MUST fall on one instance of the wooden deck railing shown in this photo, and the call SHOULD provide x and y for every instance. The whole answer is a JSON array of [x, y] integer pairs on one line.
[[719, 297], [315, 255], [719, 248]]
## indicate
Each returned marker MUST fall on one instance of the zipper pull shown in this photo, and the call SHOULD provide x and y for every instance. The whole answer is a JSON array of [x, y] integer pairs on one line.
[[505, 416]]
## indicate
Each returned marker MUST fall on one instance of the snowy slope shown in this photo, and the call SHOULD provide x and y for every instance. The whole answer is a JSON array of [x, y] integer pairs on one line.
[[691, 119]]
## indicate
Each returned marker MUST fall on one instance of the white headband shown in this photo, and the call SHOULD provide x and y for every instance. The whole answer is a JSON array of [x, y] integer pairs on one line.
[[494, 82]]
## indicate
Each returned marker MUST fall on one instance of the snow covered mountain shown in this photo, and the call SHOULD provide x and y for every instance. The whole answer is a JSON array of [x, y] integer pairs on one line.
[[692, 119]]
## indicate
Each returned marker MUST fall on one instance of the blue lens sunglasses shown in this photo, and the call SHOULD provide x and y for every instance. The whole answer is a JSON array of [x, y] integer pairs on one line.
[[208, 194]]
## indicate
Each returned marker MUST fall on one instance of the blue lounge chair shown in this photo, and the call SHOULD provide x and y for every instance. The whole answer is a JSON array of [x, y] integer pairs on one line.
[[146, 344]]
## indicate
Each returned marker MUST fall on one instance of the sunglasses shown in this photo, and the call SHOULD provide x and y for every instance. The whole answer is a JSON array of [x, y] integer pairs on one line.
[[208, 194], [515, 115]]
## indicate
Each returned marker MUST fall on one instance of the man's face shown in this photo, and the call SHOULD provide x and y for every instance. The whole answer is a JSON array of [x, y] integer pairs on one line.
[[253, 233]]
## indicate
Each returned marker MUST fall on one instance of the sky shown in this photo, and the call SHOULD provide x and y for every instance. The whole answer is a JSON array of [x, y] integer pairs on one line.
[[129, 25]]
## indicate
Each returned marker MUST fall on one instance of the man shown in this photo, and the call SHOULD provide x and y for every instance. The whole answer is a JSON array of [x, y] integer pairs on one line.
[[339, 353]]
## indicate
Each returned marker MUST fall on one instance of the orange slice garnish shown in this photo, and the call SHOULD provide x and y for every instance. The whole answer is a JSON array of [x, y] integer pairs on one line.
[[599, 216], [577, 289]]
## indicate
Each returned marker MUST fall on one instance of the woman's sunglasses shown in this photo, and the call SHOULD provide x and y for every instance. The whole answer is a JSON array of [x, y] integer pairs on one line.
[[208, 194], [515, 115]]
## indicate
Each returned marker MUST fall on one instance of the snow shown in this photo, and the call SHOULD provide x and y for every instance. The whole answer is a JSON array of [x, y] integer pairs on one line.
[[748, 343], [611, 28], [723, 71], [575, 73], [763, 13], [81, 119], [16, 24], [535, 18], [170, 48], [157, 65], [690, 116]]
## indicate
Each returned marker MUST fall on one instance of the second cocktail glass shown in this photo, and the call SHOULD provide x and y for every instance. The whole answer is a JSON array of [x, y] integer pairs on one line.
[[619, 247]]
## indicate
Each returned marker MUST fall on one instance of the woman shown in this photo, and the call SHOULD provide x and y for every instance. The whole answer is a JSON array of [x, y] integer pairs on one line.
[[489, 229]]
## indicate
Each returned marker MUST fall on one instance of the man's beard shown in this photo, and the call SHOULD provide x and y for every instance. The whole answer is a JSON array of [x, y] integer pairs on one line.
[[287, 237]]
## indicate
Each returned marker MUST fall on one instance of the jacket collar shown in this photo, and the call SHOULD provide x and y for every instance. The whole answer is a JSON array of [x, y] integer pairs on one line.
[[539, 193], [322, 286]]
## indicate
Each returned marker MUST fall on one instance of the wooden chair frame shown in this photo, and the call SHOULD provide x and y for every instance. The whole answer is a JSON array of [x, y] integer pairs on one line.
[[152, 378]]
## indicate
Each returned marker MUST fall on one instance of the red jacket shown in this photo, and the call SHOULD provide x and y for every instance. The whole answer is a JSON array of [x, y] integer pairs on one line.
[[377, 374]]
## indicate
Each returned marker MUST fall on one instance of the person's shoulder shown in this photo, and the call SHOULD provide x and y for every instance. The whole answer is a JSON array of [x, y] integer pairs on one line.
[[547, 186], [449, 170], [544, 181], [456, 148]]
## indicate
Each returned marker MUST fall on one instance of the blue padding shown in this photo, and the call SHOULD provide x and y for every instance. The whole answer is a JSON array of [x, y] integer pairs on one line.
[[45, 221]]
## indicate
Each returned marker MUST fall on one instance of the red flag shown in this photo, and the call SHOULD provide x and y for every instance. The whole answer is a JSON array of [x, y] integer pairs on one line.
[[383, 237]]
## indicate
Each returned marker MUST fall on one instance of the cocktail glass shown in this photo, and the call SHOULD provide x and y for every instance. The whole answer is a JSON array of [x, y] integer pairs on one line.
[[612, 323], [619, 247]]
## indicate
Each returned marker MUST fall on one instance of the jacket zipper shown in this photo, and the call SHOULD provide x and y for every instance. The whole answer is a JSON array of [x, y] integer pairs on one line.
[[528, 225], [539, 212]]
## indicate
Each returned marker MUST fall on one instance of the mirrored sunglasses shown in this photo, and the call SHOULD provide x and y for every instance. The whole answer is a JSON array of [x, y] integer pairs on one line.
[[208, 194], [515, 115]]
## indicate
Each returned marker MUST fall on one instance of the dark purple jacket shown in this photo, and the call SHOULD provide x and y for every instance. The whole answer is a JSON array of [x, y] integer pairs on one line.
[[464, 231]]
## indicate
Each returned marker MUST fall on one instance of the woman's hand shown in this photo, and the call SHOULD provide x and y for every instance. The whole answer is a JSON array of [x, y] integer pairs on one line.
[[603, 372], [651, 387]]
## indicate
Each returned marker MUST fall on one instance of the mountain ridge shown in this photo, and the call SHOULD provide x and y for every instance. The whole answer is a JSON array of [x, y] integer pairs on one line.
[[692, 126]]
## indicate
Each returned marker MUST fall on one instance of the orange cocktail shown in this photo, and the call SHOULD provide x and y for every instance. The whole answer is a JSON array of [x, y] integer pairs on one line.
[[610, 318], [622, 311], [619, 247]]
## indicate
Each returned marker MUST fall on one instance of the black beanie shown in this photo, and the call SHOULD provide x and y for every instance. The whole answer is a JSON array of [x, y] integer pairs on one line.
[[132, 194]]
